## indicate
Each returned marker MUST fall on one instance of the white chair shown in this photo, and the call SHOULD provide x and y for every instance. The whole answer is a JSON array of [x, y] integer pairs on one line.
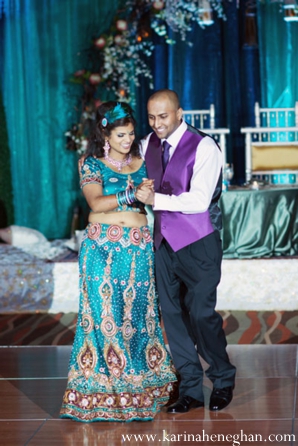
[[205, 120], [271, 147]]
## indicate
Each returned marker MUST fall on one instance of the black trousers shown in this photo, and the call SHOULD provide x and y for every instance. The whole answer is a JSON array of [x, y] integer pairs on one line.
[[192, 325]]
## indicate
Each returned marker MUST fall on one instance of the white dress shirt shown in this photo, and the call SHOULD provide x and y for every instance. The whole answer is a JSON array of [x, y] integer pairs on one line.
[[206, 170]]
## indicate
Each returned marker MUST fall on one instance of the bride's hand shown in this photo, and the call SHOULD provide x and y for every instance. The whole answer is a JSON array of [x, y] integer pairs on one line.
[[145, 192], [147, 183]]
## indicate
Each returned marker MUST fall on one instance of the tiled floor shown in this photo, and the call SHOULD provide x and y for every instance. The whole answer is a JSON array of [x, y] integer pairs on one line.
[[264, 410]]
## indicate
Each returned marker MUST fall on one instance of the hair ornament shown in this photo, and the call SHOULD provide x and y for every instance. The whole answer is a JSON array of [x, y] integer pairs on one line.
[[104, 122], [118, 112]]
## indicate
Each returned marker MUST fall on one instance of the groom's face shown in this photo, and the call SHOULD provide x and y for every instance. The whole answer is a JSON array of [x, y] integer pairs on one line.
[[164, 118]]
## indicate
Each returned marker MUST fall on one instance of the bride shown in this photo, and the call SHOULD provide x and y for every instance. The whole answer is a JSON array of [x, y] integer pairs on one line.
[[119, 368]]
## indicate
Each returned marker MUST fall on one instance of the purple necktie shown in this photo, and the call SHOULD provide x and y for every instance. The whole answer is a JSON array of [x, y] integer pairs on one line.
[[165, 154]]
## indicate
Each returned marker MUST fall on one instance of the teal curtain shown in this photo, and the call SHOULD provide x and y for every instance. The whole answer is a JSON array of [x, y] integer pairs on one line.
[[278, 41], [6, 208], [42, 44]]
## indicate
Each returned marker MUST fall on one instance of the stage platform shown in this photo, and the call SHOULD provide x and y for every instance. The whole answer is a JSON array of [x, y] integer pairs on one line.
[[257, 285], [29, 284], [246, 285]]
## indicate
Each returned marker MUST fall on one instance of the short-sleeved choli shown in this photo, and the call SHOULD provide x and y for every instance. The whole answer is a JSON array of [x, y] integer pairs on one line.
[[90, 172], [95, 171]]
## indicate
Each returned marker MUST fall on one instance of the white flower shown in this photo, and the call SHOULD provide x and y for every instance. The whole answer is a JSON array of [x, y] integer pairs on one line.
[[95, 78], [100, 42], [158, 5], [121, 25]]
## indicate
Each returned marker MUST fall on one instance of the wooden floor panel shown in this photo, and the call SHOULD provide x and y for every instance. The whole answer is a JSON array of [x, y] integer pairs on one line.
[[31, 399], [264, 409], [34, 362], [258, 361], [19, 432], [52, 361]]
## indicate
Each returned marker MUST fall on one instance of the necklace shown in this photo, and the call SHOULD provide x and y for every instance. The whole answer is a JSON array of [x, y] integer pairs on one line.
[[118, 164]]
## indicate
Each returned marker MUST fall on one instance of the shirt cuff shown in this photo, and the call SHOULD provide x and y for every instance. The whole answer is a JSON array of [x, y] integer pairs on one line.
[[162, 202]]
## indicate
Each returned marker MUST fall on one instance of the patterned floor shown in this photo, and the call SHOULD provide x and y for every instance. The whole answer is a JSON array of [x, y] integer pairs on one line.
[[250, 327]]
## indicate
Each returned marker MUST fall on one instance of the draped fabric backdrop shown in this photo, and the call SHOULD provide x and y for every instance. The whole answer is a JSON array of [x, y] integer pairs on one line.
[[232, 64], [217, 65], [6, 207], [278, 57], [41, 43]]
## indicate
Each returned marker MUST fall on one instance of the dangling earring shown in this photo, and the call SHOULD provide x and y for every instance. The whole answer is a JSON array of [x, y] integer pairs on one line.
[[106, 147]]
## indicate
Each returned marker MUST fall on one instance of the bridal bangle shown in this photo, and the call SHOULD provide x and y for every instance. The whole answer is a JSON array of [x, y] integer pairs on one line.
[[127, 196]]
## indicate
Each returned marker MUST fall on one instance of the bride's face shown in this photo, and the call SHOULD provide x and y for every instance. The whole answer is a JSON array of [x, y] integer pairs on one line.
[[120, 141]]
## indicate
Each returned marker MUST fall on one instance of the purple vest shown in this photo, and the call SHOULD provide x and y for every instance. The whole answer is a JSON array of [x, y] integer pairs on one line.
[[178, 229]]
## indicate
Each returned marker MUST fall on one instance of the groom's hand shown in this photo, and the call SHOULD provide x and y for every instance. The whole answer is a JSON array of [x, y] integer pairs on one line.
[[145, 192]]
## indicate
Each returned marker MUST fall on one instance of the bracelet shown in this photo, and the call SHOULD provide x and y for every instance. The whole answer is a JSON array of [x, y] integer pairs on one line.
[[131, 195], [127, 196]]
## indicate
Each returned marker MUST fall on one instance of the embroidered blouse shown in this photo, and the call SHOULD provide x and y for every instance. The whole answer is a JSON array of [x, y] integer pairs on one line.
[[95, 171]]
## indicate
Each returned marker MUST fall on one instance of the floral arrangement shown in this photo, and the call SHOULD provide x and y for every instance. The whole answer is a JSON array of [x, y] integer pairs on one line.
[[120, 57]]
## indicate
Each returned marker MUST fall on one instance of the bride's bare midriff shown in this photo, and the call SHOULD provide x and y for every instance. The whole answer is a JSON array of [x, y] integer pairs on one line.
[[128, 219]]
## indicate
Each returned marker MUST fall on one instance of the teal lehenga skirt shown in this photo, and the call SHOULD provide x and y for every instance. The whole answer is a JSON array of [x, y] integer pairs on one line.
[[119, 367]]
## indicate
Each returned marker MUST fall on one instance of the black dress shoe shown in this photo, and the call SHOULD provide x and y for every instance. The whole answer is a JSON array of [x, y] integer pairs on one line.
[[183, 404], [220, 398]]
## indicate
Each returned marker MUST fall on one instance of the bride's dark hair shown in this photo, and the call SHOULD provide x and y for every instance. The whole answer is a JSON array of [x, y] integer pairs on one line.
[[110, 115]]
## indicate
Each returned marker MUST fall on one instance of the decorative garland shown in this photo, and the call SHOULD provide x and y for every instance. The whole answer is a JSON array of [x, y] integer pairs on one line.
[[119, 57]]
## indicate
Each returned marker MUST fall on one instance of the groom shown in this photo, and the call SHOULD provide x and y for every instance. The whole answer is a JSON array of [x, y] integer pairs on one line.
[[186, 166]]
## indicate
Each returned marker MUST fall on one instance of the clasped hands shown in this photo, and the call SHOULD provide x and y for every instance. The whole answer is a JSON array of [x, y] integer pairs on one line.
[[145, 191]]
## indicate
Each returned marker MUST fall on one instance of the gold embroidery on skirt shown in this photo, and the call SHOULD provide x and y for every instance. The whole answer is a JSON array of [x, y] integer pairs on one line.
[[129, 296], [87, 323], [155, 356], [115, 360], [150, 325], [108, 326], [150, 315], [87, 359]]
